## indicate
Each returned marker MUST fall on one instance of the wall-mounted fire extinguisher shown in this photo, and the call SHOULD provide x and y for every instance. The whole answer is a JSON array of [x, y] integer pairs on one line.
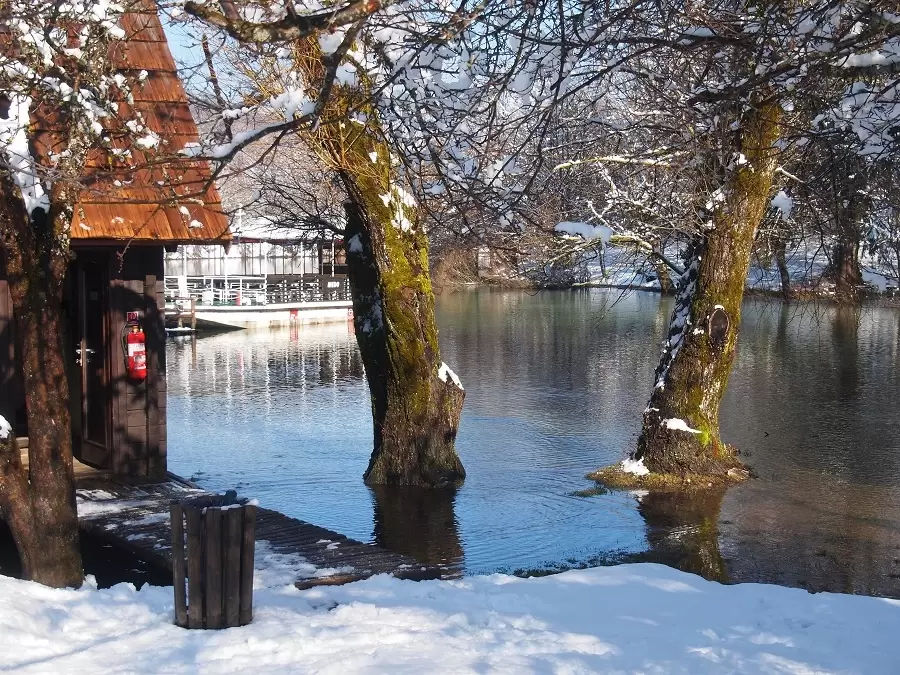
[[134, 346]]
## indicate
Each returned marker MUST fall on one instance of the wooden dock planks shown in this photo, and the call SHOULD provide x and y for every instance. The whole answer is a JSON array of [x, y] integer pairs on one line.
[[136, 516]]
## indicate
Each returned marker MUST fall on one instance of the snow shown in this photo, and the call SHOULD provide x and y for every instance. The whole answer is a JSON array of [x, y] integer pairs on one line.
[[586, 231], [275, 569], [635, 466], [640, 617], [878, 281], [887, 55], [784, 204], [16, 155], [354, 244], [678, 424], [444, 372], [329, 42], [5, 428]]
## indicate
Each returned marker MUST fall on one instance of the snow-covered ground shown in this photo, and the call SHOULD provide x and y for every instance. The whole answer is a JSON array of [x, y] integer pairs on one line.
[[639, 617]]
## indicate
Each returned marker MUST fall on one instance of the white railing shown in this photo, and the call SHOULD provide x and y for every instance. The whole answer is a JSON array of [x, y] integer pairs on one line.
[[256, 291]]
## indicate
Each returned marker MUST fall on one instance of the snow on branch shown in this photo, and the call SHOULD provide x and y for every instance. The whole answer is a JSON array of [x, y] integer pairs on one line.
[[661, 161], [288, 27], [16, 155], [61, 71]]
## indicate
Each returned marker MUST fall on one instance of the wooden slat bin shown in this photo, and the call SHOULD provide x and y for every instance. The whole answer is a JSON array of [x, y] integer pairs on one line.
[[218, 533]]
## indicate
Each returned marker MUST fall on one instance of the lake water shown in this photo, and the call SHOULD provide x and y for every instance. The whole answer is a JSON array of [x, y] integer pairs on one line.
[[555, 383]]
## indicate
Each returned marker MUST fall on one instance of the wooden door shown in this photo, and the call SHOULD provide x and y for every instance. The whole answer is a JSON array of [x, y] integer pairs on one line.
[[92, 353]]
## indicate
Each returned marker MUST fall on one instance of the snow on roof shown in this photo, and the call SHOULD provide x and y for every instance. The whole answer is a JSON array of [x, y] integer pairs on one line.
[[263, 229]]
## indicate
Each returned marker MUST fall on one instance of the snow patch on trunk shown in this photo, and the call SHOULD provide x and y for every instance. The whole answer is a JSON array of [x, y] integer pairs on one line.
[[678, 424], [17, 155], [444, 372]]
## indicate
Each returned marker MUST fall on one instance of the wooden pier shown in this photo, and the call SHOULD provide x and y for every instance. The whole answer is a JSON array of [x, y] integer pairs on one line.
[[135, 516]]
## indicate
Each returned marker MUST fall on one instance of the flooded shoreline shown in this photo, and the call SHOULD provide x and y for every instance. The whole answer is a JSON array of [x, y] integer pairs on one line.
[[555, 383]]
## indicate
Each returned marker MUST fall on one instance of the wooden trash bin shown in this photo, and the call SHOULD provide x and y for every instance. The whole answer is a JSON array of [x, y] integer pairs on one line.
[[220, 532]]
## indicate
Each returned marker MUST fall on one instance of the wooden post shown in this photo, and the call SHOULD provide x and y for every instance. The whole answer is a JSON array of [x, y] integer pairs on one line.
[[195, 568], [193, 313], [232, 550], [247, 560], [213, 599], [178, 577]]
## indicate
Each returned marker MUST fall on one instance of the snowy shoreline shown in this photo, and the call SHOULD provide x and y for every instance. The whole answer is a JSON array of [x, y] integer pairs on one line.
[[636, 617]]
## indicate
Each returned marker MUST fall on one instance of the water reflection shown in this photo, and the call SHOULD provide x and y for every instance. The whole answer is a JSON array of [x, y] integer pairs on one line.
[[419, 523], [555, 383], [682, 530]]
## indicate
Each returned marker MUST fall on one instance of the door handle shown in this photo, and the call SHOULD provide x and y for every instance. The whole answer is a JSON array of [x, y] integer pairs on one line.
[[88, 353]]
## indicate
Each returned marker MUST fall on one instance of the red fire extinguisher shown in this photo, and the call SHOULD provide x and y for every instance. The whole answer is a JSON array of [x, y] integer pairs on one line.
[[136, 351]]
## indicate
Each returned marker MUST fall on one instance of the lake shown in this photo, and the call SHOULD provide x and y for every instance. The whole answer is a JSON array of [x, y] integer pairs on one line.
[[555, 384]]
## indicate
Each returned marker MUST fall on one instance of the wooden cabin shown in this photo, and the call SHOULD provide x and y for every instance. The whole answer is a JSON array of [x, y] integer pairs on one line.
[[118, 237]]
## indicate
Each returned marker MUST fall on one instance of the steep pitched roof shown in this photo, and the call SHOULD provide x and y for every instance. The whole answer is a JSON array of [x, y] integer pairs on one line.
[[166, 202]]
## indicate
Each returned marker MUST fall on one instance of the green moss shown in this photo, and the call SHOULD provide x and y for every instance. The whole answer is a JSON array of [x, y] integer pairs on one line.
[[613, 477]]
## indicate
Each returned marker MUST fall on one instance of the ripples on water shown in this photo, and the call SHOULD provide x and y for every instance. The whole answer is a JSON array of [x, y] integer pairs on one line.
[[555, 383]]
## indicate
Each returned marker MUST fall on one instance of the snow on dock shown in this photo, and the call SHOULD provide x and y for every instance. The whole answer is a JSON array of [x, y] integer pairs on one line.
[[135, 516]]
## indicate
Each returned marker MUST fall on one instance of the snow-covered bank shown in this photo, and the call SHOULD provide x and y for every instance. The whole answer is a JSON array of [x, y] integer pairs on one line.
[[639, 617]]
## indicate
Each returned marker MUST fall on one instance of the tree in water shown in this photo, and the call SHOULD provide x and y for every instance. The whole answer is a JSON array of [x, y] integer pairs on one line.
[[404, 104], [729, 145], [680, 432], [416, 398]]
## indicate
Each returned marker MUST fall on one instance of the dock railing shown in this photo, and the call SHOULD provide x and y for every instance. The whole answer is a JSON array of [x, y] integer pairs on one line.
[[256, 291], [179, 310]]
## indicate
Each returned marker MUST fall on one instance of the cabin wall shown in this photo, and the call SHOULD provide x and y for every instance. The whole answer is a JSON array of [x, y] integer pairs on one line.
[[138, 436], [136, 415]]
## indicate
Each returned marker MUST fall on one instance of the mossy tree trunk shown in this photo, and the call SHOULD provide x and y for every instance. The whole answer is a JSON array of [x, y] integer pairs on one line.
[[416, 401], [38, 502], [680, 433], [415, 411]]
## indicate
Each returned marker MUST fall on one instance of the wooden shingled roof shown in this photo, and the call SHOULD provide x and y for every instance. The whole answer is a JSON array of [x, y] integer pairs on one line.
[[166, 202]]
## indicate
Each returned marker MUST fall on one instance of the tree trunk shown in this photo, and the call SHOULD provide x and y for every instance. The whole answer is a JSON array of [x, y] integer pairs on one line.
[[39, 501], [844, 269], [415, 412], [781, 262], [665, 279], [848, 186], [415, 402], [680, 434]]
